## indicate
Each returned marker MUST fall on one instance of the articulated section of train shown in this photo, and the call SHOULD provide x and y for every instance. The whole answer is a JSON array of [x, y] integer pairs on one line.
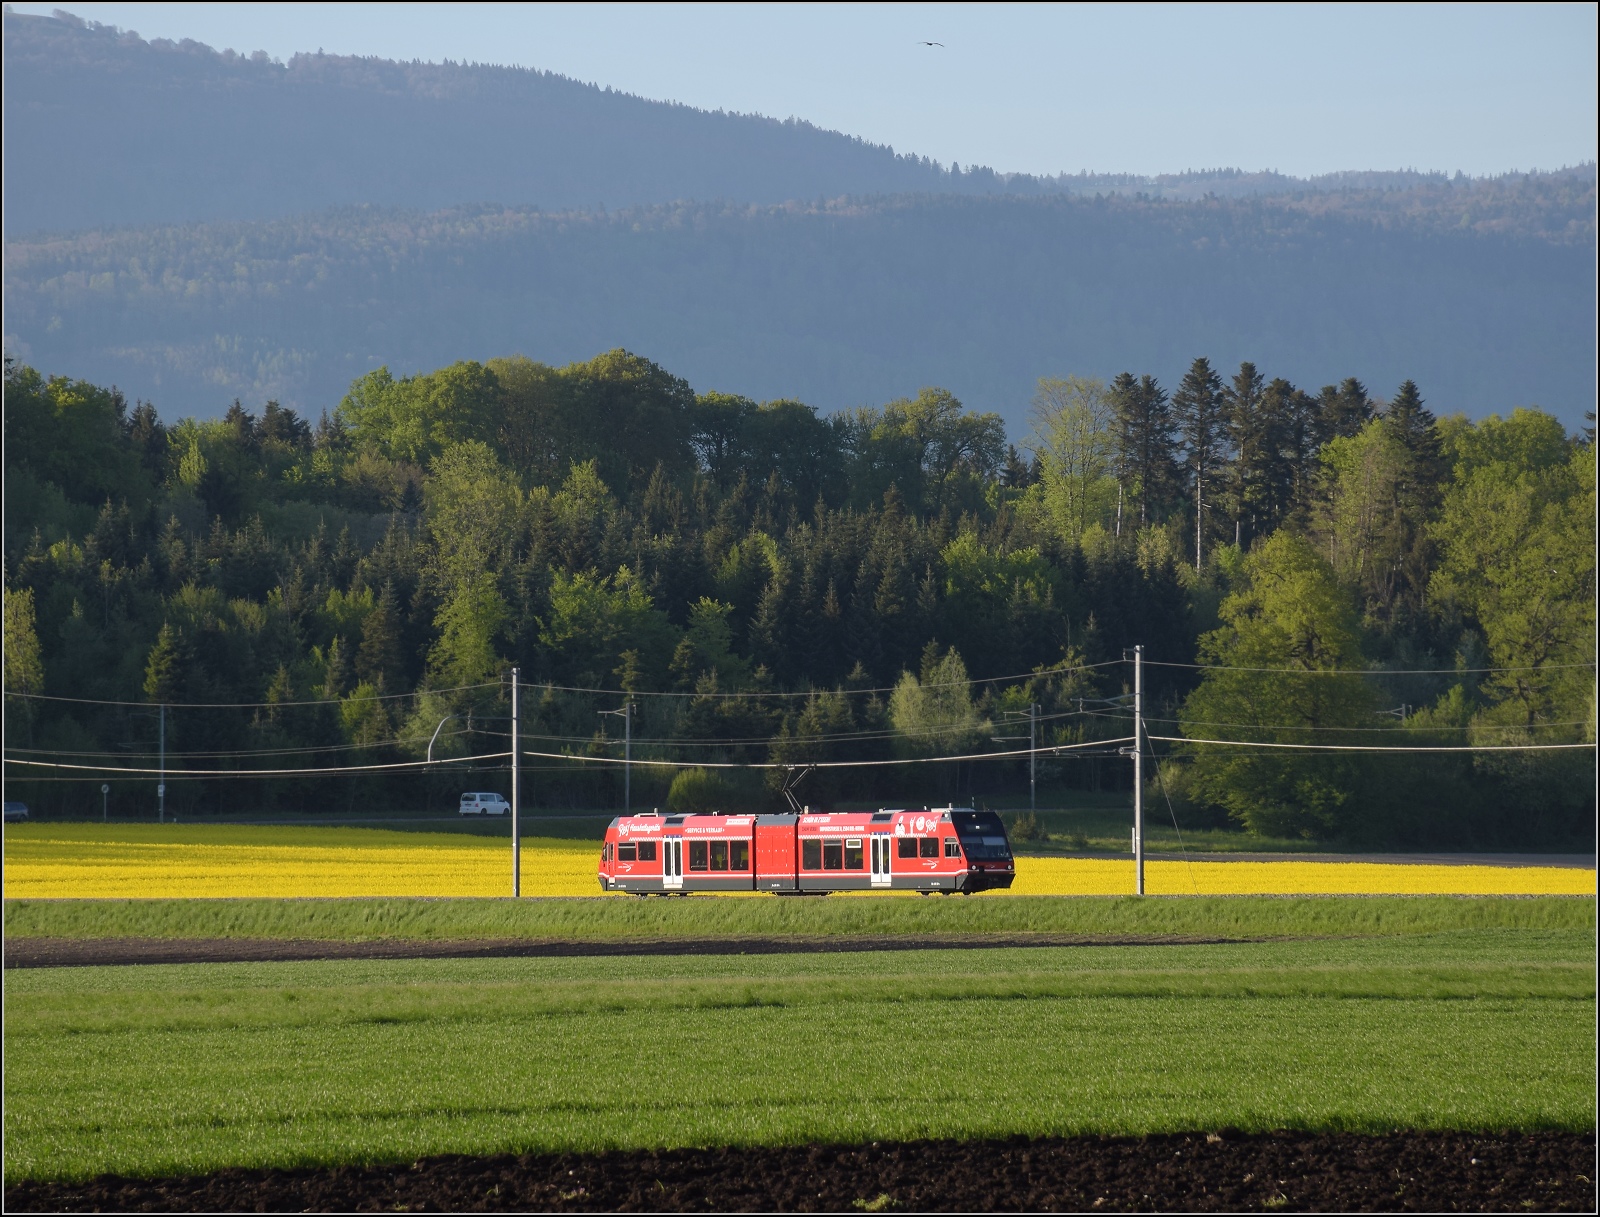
[[949, 850]]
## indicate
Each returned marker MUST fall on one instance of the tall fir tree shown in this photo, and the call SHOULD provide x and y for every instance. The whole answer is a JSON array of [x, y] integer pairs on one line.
[[1252, 435], [1342, 410], [1146, 463], [1202, 422], [163, 670], [379, 661], [1417, 491]]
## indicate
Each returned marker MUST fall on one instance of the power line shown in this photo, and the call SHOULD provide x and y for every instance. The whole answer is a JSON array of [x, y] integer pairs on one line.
[[756, 693], [537, 685], [1222, 667], [1233, 743], [250, 705], [260, 773], [227, 752], [561, 756], [916, 760], [1379, 730]]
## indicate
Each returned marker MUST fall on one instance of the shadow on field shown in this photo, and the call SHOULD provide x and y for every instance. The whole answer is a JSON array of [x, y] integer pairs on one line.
[[1284, 1172], [109, 952]]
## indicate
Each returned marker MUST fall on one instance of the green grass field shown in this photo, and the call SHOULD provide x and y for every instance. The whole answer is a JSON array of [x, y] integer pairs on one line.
[[1413, 1023], [611, 919]]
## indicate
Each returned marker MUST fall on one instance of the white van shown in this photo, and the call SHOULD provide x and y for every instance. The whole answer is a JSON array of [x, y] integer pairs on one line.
[[484, 804]]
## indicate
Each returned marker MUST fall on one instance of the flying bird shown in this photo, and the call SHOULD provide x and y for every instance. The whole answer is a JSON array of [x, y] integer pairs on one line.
[[926, 43]]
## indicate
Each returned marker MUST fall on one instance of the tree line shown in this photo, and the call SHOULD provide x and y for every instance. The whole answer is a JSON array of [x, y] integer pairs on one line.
[[769, 584]]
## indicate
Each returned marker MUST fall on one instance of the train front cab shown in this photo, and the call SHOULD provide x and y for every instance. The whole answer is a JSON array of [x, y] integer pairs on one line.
[[986, 849]]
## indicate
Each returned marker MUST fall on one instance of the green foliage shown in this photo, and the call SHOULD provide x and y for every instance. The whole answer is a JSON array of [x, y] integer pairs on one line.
[[786, 587], [594, 618], [1517, 549], [935, 715], [1073, 422], [71, 434], [1288, 637], [417, 417], [162, 671], [468, 623], [24, 669], [700, 792]]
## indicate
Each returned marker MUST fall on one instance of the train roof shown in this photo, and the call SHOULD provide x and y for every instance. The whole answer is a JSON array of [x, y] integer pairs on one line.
[[698, 822]]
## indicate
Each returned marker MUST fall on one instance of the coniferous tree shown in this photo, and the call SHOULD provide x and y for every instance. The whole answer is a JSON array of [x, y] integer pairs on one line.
[[1417, 491], [1145, 448], [149, 439], [1201, 417], [1342, 410], [1300, 439], [379, 662], [337, 676], [1016, 473], [163, 670], [1252, 434]]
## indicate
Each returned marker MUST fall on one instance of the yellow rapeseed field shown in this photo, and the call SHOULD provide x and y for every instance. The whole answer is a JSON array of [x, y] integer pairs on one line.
[[50, 861]]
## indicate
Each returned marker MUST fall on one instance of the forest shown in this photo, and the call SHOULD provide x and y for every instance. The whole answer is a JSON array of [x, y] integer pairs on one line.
[[764, 583], [1488, 298]]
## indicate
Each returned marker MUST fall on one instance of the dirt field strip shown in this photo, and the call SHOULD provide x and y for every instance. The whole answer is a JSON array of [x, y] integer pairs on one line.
[[1217, 1172], [93, 861]]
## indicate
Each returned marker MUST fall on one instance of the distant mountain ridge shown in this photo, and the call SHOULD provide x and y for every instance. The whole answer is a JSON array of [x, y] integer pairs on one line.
[[156, 132], [198, 225]]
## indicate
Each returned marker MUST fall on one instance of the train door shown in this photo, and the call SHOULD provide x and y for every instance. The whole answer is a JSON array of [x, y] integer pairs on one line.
[[672, 864], [880, 860]]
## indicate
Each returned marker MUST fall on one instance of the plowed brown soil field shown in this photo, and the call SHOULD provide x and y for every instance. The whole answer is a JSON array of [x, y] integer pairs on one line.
[[1200, 1172]]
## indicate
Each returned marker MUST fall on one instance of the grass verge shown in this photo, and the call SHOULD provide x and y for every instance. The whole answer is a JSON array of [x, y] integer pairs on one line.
[[601, 919], [180, 1069]]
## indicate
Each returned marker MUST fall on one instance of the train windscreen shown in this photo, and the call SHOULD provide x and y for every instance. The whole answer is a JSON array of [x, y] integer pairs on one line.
[[983, 836]]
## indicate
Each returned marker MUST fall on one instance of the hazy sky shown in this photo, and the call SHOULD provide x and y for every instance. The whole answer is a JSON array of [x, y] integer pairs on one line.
[[1303, 89]]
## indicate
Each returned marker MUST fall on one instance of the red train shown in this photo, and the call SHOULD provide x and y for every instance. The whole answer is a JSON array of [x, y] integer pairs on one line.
[[953, 849]]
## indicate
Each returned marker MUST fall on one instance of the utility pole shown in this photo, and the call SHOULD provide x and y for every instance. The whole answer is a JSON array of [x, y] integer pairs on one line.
[[626, 714], [1138, 769], [516, 784], [1033, 756], [161, 786]]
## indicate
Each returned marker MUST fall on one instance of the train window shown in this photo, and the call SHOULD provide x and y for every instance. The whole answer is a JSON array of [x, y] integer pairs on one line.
[[833, 855], [697, 855], [719, 855], [739, 855], [605, 852], [908, 847], [930, 847], [811, 854], [627, 853], [952, 848], [852, 854], [647, 851]]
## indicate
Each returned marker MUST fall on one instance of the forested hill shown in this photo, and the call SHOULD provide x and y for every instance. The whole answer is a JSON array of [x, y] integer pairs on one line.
[[103, 128], [773, 585], [843, 303], [166, 132]]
